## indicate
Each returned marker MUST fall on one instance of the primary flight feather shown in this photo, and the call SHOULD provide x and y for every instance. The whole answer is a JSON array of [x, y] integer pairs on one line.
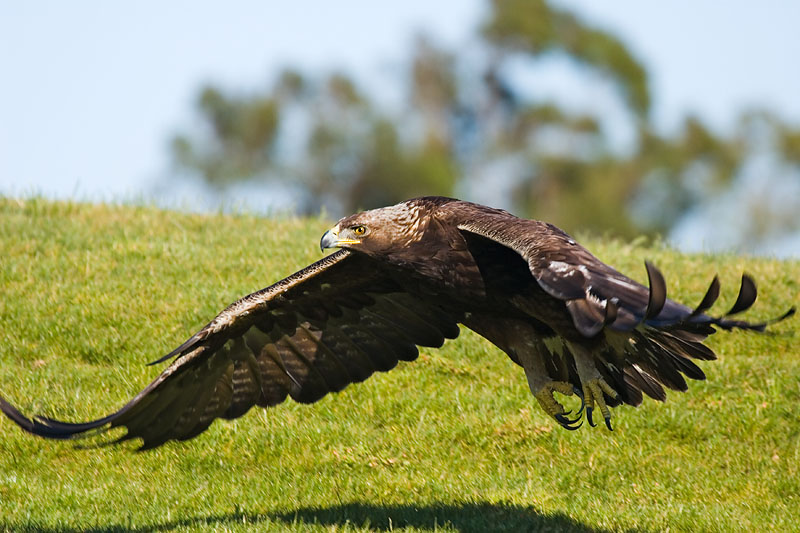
[[406, 276]]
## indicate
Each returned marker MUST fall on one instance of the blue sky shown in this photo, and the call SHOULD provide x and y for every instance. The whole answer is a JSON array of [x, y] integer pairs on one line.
[[91, 92]]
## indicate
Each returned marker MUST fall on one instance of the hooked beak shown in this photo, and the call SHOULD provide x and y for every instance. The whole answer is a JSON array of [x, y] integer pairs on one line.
[[331, 239]]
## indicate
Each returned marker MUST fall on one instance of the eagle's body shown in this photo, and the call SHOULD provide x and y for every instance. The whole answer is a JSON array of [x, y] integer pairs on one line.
[[408, 275]]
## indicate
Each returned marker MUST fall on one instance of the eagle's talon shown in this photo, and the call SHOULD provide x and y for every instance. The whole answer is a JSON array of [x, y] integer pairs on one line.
[[579, 393], [544, 395], [593, 390], [562, 419], [567, 423]]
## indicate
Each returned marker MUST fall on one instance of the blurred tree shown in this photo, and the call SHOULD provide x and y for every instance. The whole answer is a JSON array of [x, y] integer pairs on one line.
[[535, 28], [242, 134], [466, 121], [347, 153]]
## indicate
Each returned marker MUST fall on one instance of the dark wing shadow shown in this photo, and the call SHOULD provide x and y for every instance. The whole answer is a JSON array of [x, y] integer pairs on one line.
[[462, 517]]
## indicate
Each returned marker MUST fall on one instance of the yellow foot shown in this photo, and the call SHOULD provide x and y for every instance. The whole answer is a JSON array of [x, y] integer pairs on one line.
[[593, 391], [544, 395]]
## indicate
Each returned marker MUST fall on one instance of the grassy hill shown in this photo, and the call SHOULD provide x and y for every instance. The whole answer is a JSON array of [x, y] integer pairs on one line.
[[451, 442]]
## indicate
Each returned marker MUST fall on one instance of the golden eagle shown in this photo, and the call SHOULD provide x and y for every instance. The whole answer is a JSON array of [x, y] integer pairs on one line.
[[406, 276]]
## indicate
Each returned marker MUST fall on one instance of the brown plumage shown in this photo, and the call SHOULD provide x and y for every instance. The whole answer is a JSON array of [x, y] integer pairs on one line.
[[406, 276]]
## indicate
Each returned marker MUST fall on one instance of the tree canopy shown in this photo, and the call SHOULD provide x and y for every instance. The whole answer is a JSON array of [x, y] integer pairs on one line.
[[468, 124]]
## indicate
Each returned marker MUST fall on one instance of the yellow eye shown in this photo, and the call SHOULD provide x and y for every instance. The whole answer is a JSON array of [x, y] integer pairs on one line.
[[359, 230]]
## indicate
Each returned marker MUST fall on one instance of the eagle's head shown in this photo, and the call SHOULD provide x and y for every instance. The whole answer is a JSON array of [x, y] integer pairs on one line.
[[380, 231]]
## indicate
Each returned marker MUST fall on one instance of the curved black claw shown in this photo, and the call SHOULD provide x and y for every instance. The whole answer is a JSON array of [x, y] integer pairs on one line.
[[566, 423], [562, 418], [579, 393], [589, 416], [608, 423]]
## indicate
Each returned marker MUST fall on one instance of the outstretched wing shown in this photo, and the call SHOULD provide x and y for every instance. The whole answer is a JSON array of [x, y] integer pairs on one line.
[[333, 323], [650, 338], [597, 295]]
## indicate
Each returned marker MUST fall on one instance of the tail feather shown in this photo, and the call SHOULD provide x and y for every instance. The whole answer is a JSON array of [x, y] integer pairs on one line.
[[709, 299], [728, 324], [667, 336], [657, 294], [746, 297], [637, 378], [614, 376], [673, 343]]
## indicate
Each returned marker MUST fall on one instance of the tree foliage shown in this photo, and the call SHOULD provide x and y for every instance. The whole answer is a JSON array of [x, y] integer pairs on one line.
[[533, 27], [468, 126]]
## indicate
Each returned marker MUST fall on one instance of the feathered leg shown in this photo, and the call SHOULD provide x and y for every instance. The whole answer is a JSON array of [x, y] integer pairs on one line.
[[594, 386], [542, 388]]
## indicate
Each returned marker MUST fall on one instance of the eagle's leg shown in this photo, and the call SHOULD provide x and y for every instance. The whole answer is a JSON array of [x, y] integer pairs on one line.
[[593, 384], [542, 388]]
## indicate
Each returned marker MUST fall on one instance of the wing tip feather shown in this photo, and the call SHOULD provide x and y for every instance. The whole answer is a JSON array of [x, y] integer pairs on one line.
[[658, 291], [50, 428], [748, 292]]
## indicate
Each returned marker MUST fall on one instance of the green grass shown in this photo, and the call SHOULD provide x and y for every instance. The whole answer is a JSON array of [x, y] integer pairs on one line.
[[451, 442]]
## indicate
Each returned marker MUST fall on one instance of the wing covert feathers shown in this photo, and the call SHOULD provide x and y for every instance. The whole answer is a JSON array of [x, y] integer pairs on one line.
[[333, 323], [641, 341], [597, 295]]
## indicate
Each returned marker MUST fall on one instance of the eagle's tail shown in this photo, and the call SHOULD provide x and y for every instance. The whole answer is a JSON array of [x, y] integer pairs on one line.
[[659, 350]]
